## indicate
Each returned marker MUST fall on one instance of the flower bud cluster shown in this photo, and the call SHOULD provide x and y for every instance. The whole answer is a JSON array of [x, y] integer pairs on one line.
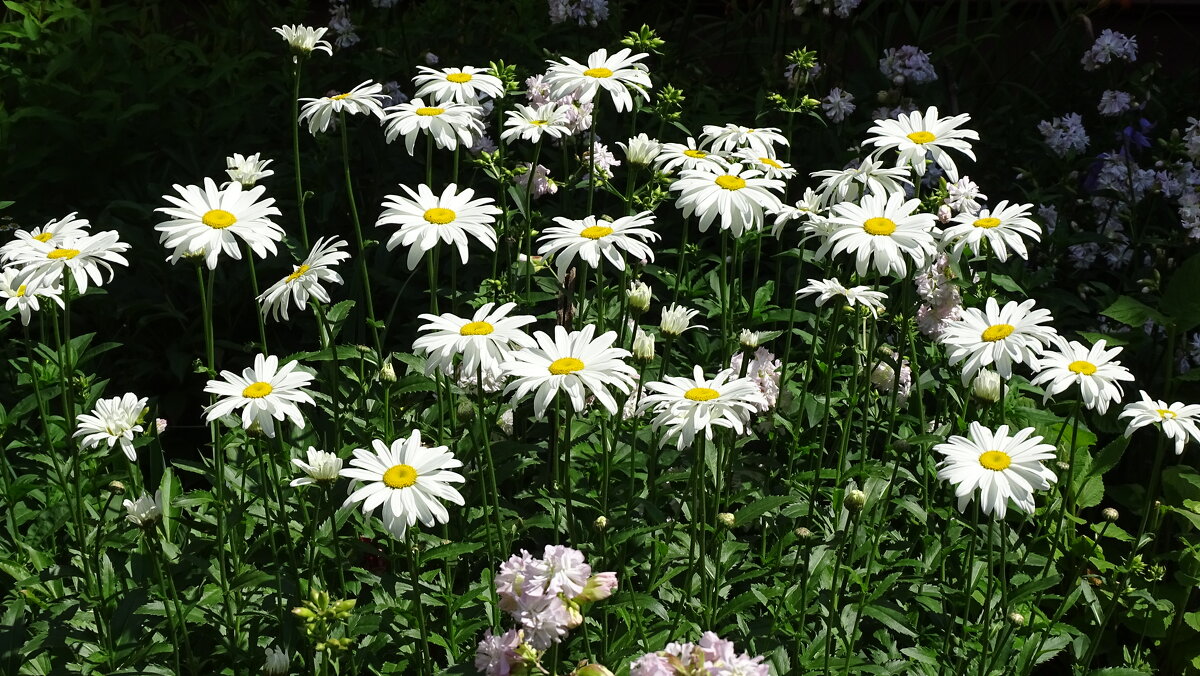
[[321, 615]]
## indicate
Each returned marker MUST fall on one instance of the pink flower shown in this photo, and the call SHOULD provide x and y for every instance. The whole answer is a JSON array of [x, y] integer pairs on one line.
[[497, 655]]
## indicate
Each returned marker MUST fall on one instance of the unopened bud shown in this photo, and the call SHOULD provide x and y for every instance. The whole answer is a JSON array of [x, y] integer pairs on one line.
[[387, 373], [643, 346], [465, 410], [116, 487], [601, 522], [1110, 514], [803, 533], [944, 214], [726, 519], [1016, 618], [638, 296], [986, 386], [749, 339], [593, 670], [855, 500]]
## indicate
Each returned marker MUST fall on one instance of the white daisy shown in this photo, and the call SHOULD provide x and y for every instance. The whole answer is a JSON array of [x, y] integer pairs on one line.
[[1014, 334], [321, 467], [425, 219], [17, 293], [768, 165], [457, 85], [362, 100], [1177, 420], [1092, 369], [54, 232], [914, 136], [807, 208], [265, 393], [590, 238], [1003, 468], [113, 421], [145, 511], [44, 264], [689, 406], [869, 176], [882, 231], [532, 123], [485, 341], [855, 295], [739, 195], [732, 137], [306, 279], [574, 363], [1004, 228], [407, 479], [247, 169], [616, 74], [213, 220], [305, 40], [676, 319], [641, 150], [448, 124], [688, 155]]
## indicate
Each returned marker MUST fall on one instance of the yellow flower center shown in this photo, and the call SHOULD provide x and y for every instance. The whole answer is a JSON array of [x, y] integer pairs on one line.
[[598, 72], [921, 137], [770, 162], [20, 291], [995, 460], [879, 226], [698, 154], [459, 78], [538, 123], [257, 390], [997, 332], [731, 182], [400, 476], [596, 232], [430, 112], [561, 367], [44, 237], [340, 97], [476, 329], [63, 253], [701, 394], [1166, 414], [218, 219], [439, 216], [297, 274], [1086, 368], [988, 222]]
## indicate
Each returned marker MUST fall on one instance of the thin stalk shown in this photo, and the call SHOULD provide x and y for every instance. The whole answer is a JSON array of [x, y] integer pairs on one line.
[[258, 315], [361, 258], [296, 150]]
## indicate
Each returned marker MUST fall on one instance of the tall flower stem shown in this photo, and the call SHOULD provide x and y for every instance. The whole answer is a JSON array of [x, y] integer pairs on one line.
[[490, 488], [837, 587], [358, 237], [413, 554], [296, 151], [527, 233], [683, 243], [258, 315]]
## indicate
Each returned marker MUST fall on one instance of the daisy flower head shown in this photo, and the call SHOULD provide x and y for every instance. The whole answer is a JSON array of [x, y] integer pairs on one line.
[[530, 123], [1003, 228], [54, 232], [1177, 420], [997, 337], [882, 231], [426, 219], [915, 136], [856, 295], [18, 294], [576, 363], [847, 185], [641, 150], [807, 208], [322, 467], [739, 195], [733, 137], [364, 99], [213, 220], [247, 169], [616, 75], [484, 341], [1092, 369], [145, 511], [1002, 467], [691, 406], [305, 40], [590, 238], [768, 165], [45, 264], [676, 319], [306, 279], [113, 421], [690, 155], [265, 393], [457, 85], [408, 479], [447, 124]]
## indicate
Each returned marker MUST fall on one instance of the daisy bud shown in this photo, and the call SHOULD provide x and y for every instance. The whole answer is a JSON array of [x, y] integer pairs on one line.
[[388, 373], [277, 663], [643, 346], [1016, 618], [749, 339], [465, 410], [1110, 515], [160, 425], [601, 523], [144, 511], [855, 500], [802, 533], [638, 297], [641, 150], [986, 386], [116, 487], [726, 519]]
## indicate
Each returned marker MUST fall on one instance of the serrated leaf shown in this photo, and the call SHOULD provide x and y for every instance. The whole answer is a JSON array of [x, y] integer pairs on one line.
[[1133, 312], [761, 506]]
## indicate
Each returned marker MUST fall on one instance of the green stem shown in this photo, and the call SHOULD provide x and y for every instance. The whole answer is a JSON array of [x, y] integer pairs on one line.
[[361, 258], [296, 152]]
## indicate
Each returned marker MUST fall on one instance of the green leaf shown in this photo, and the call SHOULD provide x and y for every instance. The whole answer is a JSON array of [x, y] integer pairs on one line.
[[891, 618], [759, 507], [1119, 671], [451, 550], [1132, 312], [1091, 493], [1110, 341], [1108, 457], [1180, 295]]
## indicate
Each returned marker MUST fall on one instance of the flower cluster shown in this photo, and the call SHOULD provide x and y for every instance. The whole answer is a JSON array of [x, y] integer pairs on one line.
[[711, 655], [1064, 134], [1110, 46], [763, 369], [907, 64]]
